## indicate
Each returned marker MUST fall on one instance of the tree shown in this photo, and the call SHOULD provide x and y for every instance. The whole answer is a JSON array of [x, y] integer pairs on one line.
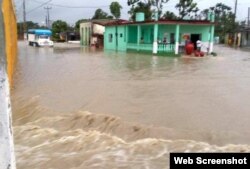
[[141, 7], [169, 15], [186, 7], [58, 27], [30, 25], [145, 6], [159, 4], [204, 13], [77, 24], [225, 20], [115, 9], [100, 14]]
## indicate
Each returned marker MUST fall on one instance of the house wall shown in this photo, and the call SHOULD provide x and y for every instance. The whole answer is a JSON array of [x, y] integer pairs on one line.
[[85, 33], [147, 33], [115, 38], [122, 43], [98, 29], [204, 30], [245, 41], [166, 30], [196, 29], [132, 31], [130, 41], [109, 38]]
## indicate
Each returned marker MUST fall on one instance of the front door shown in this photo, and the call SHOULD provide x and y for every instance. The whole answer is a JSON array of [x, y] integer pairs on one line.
[[194, 38]]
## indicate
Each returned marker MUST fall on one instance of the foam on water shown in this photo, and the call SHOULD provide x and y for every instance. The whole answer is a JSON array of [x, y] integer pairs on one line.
[[88, 140]]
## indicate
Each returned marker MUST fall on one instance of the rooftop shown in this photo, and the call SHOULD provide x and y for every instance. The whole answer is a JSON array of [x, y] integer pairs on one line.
[[186, 22]]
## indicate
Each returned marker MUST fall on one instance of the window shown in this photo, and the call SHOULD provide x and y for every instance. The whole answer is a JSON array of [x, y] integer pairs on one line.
[[121, 35], [110, 37], [43, 37]]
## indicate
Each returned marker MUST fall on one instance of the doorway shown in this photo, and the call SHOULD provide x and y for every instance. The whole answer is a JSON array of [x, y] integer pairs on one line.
[[194, 38]]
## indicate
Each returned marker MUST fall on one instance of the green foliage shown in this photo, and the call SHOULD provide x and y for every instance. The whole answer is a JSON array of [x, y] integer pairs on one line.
[[115, 9], [100, 14], [186, 8], [169, 16], [224, 18], [159, 5], [29, 24], [145, 6], [58, 27], [77, 24], [141, 7], [204, 13]]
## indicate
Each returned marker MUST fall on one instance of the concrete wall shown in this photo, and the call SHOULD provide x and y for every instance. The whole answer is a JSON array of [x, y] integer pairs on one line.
[[8, 49]]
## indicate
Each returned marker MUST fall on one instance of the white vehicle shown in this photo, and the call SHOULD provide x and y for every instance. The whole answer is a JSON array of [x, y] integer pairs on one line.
[[40, 37]]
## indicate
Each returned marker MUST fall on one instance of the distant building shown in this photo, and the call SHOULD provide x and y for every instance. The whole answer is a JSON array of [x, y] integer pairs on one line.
[[92, 31], [245, 37], [241, 38], [158, 36], [69, 36]]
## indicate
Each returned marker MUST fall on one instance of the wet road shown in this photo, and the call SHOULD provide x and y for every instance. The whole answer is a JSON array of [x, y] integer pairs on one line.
[[81, 108], [209, 93]]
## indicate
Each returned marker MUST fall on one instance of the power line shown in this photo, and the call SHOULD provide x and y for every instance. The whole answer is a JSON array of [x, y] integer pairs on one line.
[[48, 17], [39, 6], [24, 16], [66, 6]]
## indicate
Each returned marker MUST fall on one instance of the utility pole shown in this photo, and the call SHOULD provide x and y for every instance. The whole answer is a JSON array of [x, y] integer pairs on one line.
[[248, 20], [235, 14], [24, 17], [235, 10], [48, 17]]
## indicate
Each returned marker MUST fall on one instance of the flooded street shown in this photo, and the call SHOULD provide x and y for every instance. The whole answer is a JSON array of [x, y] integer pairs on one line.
[[81, 108]]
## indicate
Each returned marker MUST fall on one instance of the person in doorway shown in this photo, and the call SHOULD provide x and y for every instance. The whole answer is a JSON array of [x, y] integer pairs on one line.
[[164, 43], [142, 40], [198, 45], [187, 40]]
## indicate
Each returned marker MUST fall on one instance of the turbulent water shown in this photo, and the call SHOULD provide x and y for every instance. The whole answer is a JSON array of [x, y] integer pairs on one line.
[[83, 108]]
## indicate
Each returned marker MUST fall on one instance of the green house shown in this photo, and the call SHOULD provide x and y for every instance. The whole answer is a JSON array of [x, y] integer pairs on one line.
[[158, 36]]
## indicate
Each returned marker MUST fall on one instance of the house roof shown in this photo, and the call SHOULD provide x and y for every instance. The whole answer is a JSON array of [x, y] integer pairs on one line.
[[104, 22], [182, 22]]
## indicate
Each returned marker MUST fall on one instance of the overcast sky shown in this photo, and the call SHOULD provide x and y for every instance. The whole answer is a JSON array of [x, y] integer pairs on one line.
[[71, 15]]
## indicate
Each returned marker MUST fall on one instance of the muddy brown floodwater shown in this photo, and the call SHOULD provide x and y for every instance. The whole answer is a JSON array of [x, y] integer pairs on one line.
[[85, 108]]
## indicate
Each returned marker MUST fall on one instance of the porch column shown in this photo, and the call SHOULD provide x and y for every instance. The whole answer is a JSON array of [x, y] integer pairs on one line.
[[126, 34], [177, 33], [138, 37], [82, 35], [211, 42], [88, 36], [155, 43]]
